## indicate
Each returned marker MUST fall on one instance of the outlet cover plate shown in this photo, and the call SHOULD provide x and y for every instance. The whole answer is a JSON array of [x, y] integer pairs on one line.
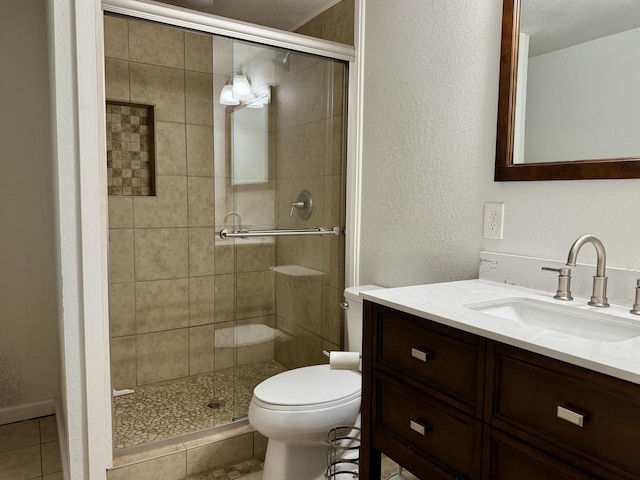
[[493, 223]]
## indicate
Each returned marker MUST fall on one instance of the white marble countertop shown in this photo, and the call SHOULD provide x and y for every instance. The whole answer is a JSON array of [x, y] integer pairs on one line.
[[444, 303]]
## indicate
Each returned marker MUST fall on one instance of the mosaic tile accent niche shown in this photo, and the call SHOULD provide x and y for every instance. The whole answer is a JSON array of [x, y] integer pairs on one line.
[[130, 153]]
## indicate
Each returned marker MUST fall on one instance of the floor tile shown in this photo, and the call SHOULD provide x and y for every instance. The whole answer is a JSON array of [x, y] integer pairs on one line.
[[18, 435]]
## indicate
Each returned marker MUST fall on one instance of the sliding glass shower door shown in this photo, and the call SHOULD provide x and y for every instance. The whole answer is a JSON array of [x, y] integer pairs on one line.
[[279, 174]]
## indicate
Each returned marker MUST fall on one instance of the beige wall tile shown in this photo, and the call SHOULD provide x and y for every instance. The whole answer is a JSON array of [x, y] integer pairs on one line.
[[120, 256], [171, 149], [307, 300], [225, 257], [123, 362], [21, 464], [312, 104], [120, 212], [200, 150], [256, 352], [224, 298], [201, 251], [339, 22], [53, 476], [48, 429], [167, 209], [201, 305], [122, 309], [287, 153], [296, 347], [256, 257], [259, 445], [50, 457], [313, 148], [255, 296], [162, 356], [332, 315], [156, 44], [116, 37], [336, 157], [310, 252], [169, 467], [224, 355], [284, 293], [224, 201], [20, 434], [313, 28], [198, 50], [221, 154], [256, 203], [159, 86], [228, 451], [116, 79], [199, 92], [162, 305], [201, 353], [286, 98], [222, 55], [201, 202], [161, 253], [335, 278]]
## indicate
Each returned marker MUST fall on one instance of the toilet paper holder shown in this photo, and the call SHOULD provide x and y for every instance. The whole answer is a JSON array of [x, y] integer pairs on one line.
[[328, 354]]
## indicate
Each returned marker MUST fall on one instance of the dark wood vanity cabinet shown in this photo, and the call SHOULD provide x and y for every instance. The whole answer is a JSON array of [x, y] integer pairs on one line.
[[449, 404]]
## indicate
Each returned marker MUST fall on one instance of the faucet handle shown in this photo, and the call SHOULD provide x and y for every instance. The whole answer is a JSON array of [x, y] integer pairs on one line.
[[564, 282], [636, 306]]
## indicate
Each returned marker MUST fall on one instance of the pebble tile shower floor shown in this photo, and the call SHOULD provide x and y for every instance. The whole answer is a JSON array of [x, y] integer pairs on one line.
[[160, 411]]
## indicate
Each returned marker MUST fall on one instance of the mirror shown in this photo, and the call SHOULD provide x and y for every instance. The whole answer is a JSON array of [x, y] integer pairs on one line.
[[531, 144], [250, 144]]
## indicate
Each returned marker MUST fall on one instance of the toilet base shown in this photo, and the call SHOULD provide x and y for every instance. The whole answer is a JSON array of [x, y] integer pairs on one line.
[[294, 462]]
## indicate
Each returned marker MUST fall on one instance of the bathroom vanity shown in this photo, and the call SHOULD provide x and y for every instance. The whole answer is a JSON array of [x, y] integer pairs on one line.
[[451, 390]]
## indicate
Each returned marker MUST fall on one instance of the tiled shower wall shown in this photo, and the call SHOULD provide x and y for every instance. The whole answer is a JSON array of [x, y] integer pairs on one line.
[[168, 291], [171, 290]]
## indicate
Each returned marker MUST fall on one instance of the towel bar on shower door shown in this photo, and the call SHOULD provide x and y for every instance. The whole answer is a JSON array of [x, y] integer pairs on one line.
[[226, 233]]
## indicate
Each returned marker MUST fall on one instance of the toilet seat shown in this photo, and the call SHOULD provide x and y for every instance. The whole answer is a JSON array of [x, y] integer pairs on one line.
[[308, 388]]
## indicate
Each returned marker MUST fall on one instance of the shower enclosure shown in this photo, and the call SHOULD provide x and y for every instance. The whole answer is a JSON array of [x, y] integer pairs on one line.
[[198, 318]]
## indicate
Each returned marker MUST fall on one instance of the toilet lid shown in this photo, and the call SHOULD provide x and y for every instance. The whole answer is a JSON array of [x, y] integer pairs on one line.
[[309, 386]]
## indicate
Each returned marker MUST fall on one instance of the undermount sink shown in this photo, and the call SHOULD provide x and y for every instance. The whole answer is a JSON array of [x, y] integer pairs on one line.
[[569, 320]]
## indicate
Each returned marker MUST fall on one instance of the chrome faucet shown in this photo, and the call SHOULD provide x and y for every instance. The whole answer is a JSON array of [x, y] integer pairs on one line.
[[236, 226], [599, 293]]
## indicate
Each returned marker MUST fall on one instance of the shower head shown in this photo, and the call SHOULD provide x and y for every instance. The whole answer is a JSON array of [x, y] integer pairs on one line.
[[282, 60]]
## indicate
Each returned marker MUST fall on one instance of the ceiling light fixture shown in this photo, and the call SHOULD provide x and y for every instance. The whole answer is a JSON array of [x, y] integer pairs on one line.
[[241, 87], [226, 95]]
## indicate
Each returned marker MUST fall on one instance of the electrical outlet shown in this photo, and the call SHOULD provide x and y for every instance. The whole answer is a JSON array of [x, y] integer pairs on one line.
[[493, 220]]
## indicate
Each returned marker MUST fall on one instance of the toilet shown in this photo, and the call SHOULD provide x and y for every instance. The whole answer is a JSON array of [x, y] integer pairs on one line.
[[296, 409]]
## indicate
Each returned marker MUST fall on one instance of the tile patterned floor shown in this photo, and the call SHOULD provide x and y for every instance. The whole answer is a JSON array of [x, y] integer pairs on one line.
[[166, 410], [248, 470], [29, 450]]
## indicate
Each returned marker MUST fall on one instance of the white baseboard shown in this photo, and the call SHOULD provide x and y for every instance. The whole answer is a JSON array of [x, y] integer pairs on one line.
[[18, 413]]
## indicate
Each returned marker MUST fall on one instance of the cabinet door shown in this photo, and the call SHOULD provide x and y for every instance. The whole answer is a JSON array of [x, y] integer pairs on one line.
[[509, 459]]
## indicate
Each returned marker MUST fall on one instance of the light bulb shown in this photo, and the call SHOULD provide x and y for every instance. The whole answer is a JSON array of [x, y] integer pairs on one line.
[[241, 87], [226, 96]]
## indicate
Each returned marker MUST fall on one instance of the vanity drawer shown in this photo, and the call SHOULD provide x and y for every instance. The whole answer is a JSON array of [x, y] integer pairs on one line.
[[435, 432], [585, 413], [510, 459], [447, 360]]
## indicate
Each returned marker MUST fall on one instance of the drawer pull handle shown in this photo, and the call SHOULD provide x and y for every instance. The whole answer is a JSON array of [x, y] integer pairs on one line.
[[418, 427], [422, 355], [571, 416]]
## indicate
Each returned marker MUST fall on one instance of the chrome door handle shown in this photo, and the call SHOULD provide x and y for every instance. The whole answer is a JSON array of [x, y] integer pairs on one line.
[[421, 354], [570, 416]]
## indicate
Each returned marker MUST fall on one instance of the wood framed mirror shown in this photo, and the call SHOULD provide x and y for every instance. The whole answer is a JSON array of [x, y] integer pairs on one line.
[[514, 162]]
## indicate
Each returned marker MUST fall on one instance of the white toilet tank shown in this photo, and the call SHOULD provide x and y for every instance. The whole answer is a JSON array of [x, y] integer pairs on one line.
[[353, 317]]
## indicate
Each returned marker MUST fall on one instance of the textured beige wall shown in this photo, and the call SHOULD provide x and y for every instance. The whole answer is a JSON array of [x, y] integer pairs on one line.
[[28, 306], [430, 102]]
